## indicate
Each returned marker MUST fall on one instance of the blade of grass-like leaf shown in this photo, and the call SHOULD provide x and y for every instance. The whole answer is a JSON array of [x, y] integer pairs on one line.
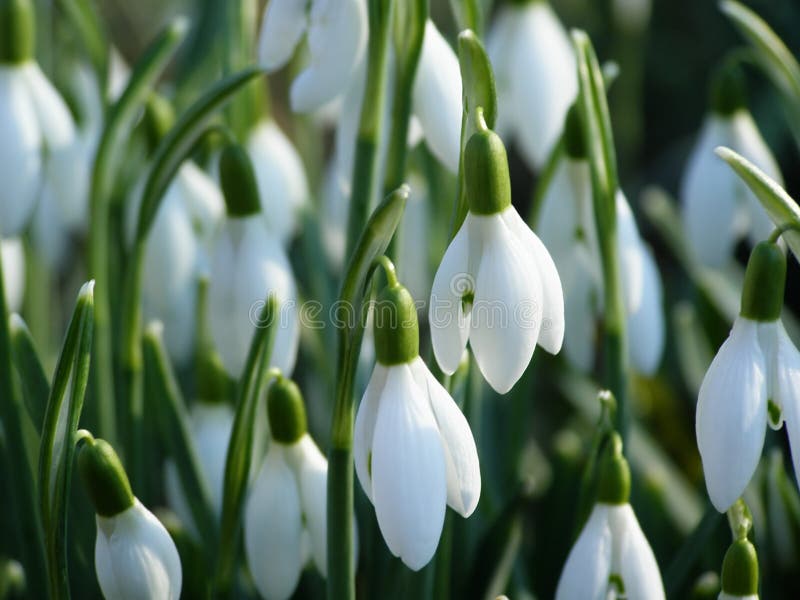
[[679, 569], [239, 456], [18, 467], [780, 207], [59, 436], [36, 387], [90, 33], [118, 127], [173, 422], [773, 56]]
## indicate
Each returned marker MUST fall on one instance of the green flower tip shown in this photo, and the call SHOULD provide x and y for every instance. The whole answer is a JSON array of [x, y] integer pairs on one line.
[[614, 478], [104, 478], [740, 569], [488, 184], [159, 117], [238, 182], [764, 283], [286, 411], [17, 31], [396, 326], [728, 92], [574, 140]]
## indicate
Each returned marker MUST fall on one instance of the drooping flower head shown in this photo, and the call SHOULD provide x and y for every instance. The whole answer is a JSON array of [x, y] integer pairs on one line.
[[710, 191], [611, 557], [336, 33], [134, 555], [248, 262], [413, 448], [753, 381], [288, 500], [497, 285]]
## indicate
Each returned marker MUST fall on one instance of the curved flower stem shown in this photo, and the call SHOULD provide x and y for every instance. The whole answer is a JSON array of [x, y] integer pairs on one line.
[[370, 126], [777, 233]]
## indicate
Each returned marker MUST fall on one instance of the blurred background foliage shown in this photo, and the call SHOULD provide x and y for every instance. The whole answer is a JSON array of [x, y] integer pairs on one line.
[[533, 443]]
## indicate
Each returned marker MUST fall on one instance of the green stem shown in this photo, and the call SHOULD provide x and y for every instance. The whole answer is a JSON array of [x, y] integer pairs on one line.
[[18, 466], [370, 127]]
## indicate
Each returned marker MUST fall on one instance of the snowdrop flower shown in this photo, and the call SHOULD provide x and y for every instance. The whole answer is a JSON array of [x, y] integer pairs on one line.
[[134, 556], [285, 515], [535, 71], [36, 127], [496, 285], [611, 557], [711, 192], [567, 228], [247, 263], [12, 255], [336, 32], [281, 178], [413, 448], [177, 253], [754, 380], [210, 424], [436, 97]]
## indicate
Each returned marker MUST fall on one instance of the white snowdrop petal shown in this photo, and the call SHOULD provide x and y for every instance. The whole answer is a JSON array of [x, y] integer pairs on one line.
[[282, 26], [68, 170], [460, 454], [732, 414], [646, 330], [559, 216], [585, 574], [135, 557], [313, 479], [280, 176], [203, 200], [543, 80], [180, 322], [785, 390], [364, 432], [55, 120], [726, 596], [337, 39], [708, 195], [437, 97], [272, 528], [20, 152], [13, 257], [499, 46], [637, 565], [629, 248], [408, 471], [449, 324], [551, 334], [506, 315]]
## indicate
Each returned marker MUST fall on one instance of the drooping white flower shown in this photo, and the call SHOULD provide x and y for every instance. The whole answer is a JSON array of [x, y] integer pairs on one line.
[[38, 144], [336, 33], [210, 426], [753, 381], [535, 72], [567, 228], [134, 554], [437, 97], [712, 193], [611, 545], [135, 557], [611, 557], [247, 263], [281, 178], [497, 285], [286, 512], [413, 448], [177, 253], [12, 253]]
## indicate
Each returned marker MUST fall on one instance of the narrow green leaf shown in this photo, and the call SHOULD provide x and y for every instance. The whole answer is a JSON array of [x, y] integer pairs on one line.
[[477, 77], [173, 423], [774, 58], [240, 447], [59, 436], [678, 571], [36, 386], [780, 207], [90, 32]]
